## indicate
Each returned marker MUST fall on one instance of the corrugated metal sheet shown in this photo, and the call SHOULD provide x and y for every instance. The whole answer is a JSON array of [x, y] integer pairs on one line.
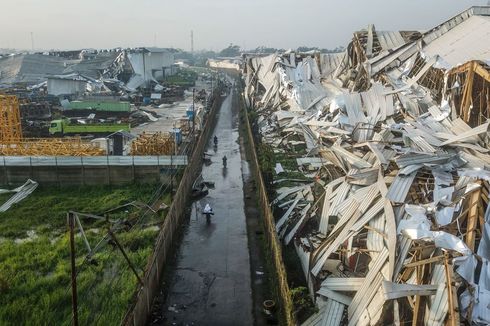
[[418, 158], [337, 296], [349, 284], [389, 40], [364, 297], [399, 188], [285, 217], [372, 212], [324, 219], [333, 313], [375, 239], [292, 233], [20, 194], [329, 63], [437, 303], [342, 192], [325, 251], [468, 135], [353, 159], [468, 40]]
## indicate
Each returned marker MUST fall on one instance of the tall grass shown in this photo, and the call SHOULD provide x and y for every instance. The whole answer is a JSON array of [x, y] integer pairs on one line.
[[35, 274]]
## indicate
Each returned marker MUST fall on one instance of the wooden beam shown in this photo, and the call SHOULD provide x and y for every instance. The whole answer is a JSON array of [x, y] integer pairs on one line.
[[472, 219], [452, 298], [424, 261], [418, 312]]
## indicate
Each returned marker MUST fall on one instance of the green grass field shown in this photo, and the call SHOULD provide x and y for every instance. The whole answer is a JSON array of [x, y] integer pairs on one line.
[[35, 255]]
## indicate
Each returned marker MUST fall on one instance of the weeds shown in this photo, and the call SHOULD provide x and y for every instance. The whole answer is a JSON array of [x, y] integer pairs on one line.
[[35, 271]]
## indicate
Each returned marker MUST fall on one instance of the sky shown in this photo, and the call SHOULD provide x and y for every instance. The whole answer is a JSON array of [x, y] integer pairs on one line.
[[100, 24]]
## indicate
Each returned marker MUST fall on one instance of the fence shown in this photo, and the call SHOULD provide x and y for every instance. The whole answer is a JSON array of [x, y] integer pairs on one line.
[[273, 243], [139, 312], [88, 170], [162, 160]]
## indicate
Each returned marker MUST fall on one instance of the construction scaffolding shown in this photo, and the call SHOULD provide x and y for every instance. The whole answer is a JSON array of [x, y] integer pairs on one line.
[[10, 126], [153, 144], [13, 144]]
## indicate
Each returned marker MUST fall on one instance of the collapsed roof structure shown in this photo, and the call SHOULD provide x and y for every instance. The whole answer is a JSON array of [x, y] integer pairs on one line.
[[96, 68], [391, 222]]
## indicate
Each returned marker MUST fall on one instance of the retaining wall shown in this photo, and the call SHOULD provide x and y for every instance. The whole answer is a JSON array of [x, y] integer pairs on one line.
[[273, 243]]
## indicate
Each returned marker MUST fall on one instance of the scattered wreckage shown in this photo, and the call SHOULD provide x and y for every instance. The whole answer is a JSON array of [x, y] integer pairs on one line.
[[392, 225]]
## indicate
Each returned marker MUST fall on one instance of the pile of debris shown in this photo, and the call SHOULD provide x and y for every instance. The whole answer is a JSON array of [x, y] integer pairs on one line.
[[392, 224], [157, 143]]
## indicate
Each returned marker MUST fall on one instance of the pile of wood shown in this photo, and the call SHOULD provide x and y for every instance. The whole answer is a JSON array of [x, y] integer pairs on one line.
[[158, 143]]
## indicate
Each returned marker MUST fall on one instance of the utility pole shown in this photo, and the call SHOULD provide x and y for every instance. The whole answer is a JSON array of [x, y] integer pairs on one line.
[[193, 109], [32, 42], [74, 303], [192, 42]]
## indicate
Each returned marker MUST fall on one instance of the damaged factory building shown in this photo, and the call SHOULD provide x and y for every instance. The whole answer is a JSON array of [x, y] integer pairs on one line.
[[390, 216]]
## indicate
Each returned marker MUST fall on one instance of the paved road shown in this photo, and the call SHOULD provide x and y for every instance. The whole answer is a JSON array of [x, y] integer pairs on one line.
[[170, 115], [211, 283]]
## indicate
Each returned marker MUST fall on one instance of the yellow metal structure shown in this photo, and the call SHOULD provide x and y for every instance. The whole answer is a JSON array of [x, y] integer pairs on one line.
[[153, 144], [12, 143], [10, 125], [50, 147]]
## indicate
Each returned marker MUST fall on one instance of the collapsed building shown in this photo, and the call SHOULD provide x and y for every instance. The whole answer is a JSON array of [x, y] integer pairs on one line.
[[130, 68], [89, 84], [391, 219]]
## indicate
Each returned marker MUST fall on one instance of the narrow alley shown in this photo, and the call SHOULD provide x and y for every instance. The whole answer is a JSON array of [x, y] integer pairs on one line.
[[210, 284]]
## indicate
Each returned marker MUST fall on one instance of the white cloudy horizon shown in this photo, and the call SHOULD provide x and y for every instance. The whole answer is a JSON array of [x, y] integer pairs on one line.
[[71, 25]]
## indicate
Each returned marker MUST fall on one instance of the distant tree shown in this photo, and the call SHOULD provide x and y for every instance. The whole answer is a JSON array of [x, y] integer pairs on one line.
[[231, 51], [183, 55], [307, 49], [323, 50], [267, 50]]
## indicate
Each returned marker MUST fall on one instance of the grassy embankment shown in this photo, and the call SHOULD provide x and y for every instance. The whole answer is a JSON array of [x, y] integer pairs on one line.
[[35, 255]]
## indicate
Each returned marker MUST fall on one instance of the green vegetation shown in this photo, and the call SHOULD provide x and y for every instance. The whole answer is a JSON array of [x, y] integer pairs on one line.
[[184, 77], [303, 305], [35, 255]]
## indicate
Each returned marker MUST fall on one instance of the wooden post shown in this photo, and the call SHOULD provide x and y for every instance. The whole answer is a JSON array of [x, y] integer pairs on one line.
[[113, 236], [451, 297], [467, 93], [74, 299]]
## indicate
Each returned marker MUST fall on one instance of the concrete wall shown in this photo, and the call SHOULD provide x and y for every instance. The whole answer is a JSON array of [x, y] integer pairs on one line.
[[81, 175]]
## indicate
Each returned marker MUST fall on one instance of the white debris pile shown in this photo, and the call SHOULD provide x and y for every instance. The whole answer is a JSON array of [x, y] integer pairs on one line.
[[395, 226]]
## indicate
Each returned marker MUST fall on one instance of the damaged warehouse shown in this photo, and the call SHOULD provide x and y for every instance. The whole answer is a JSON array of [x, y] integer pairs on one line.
[[390, 216]]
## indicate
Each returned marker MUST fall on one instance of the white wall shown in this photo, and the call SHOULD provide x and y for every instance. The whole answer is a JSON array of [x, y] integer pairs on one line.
[[66, 86], [154, 63]]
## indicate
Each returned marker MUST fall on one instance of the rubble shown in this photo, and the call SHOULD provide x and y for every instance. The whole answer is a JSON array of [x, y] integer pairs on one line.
[[393, 225]]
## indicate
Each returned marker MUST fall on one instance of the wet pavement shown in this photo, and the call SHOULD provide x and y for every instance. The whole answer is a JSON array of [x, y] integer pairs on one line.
[[211, 282], [170, 115]]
